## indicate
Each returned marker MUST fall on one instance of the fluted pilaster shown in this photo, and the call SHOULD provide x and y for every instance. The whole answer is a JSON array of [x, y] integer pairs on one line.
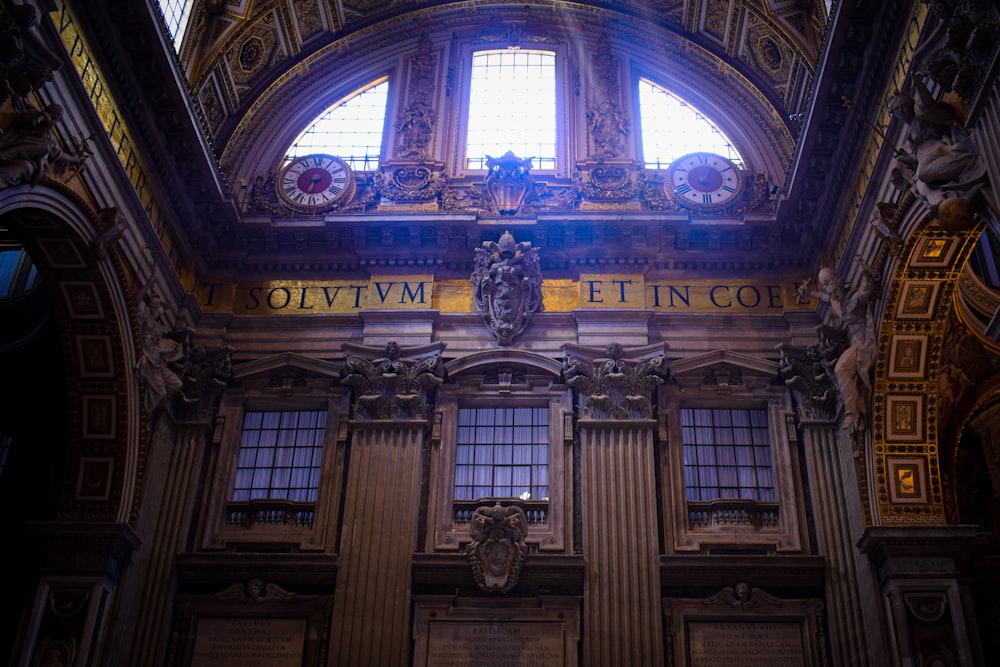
[[622, 618], [854, 611], [142, 632], [371, 620]]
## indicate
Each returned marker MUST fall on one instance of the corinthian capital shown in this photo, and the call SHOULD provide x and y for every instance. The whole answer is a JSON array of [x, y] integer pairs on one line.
[[393, 382], [617, 384]]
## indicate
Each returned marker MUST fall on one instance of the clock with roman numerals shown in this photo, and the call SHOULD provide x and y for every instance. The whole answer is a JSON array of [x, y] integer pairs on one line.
[[704, 181], [315, 183]]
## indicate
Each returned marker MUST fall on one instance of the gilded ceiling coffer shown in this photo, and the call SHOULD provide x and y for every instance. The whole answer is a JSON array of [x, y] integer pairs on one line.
[[507, 286], [498, 549]]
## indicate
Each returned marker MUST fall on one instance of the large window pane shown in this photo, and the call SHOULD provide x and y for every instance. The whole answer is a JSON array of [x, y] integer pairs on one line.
[[488, 463], [671, 128], [512, 107], [719, 459], [280, 454], [351, 130]]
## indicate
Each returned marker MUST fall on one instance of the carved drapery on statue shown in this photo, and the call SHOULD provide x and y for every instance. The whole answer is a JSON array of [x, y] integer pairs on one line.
[[498, 549], [28, 146], [399, 385], [617, 386], [507, 286], [849, 342]]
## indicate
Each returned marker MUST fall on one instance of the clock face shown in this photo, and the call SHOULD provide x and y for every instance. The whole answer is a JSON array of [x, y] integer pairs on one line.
[[315, 183], [704, 181]]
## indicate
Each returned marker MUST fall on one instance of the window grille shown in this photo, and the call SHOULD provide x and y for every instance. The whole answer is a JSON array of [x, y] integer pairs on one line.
[[280, 455], [727, 454], [502, 452], [512, 107], [176, 14], [351, 130], [671, 128]]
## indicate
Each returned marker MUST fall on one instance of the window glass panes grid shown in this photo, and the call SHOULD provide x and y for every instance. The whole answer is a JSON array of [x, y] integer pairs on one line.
[[672, 128], [175, 14], [350, 130], [727, 454], [502, 452], [512, 107], [280, 455]]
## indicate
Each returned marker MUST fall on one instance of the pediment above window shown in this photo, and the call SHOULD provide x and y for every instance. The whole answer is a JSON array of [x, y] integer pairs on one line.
[[724, 371], [288, 373]]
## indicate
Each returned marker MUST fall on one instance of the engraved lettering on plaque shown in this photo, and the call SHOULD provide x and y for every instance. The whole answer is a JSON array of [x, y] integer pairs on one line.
[[751, 644], [483, 644], [238, 642]]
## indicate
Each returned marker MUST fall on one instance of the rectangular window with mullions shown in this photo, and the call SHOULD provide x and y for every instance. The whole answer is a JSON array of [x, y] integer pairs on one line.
[[512, 107], [502, 452], [280, 456], [727, 454]]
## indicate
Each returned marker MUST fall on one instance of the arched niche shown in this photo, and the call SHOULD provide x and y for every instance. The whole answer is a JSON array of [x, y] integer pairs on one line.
[[100, 472]]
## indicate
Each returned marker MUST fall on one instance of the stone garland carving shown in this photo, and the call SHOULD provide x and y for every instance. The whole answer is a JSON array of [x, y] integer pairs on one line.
[[415, 124], [506, 286], [616, 387], [851, 338], [607, 124], [411, 184], [498, 549], [400, 385]]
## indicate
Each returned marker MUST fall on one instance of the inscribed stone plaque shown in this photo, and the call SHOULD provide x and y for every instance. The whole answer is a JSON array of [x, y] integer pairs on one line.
[[745, 644], [502, 644], [238, 642]]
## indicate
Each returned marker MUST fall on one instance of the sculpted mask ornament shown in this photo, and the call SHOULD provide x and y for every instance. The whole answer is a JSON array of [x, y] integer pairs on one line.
[[498, 549], [507, 286]]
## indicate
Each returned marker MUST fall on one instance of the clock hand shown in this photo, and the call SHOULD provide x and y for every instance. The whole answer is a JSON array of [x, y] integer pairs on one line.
[[312, 182]]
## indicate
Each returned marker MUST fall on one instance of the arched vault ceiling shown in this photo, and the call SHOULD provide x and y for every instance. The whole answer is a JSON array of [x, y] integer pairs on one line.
[[241, 48]]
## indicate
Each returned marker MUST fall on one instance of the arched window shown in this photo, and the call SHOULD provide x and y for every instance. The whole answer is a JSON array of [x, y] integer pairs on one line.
[[176, 14], [671, 128], [512, 107], [351, 129]]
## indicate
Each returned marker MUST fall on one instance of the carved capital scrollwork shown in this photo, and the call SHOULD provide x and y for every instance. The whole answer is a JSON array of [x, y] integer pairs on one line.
[[399, 385], [617, 386], [498, 548]]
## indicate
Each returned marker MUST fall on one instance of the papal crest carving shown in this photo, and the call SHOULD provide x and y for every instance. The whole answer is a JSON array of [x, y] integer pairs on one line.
[[498, 549], [507, 286]]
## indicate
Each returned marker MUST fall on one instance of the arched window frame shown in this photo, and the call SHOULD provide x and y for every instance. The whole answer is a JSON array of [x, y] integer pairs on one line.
[[288, 153]]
